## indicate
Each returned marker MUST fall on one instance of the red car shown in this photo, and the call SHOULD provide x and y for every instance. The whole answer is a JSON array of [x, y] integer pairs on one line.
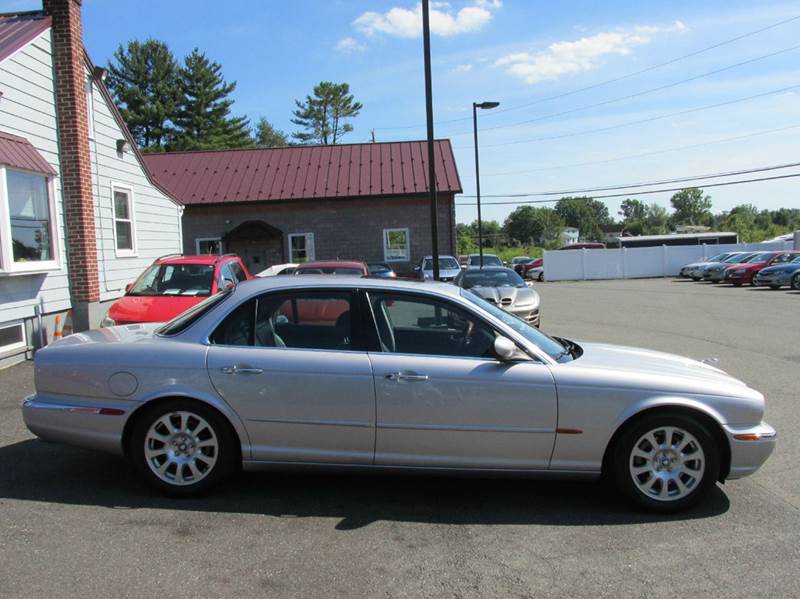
[[529, 265], [173, 284], [333, 267], [738, 274]]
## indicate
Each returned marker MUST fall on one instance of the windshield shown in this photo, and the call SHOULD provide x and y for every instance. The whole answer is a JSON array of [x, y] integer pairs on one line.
[[376, 268], [445, 263], [796, 258], [175, 279], [547, 344], [717, 258], [184, 320], [762, 257], [488, 260], [736, 258], [491, 278], [330, 270]]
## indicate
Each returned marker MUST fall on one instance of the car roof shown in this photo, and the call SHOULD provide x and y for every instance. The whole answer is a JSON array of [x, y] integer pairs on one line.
[[331, 264], [265, 284], [430, 257], [490, 268], [205, 259]]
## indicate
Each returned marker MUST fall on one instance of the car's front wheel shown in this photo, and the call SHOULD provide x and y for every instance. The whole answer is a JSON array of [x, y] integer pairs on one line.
[[182, 447], [666, 462], [796, 282]]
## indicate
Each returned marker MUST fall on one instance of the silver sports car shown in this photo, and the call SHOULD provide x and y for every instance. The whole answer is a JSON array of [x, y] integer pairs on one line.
[[504, 288], [366, 373]]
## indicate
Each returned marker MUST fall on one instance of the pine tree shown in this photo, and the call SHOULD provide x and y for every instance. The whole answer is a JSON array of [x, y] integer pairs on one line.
[[143, 81], [322, 115], [203, 120], [268, 136]]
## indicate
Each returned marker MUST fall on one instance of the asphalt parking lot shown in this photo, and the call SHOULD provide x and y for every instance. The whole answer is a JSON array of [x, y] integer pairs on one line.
[[75, 523]]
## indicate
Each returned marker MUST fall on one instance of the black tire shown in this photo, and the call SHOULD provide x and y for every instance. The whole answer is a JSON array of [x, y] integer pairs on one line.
[[541, 277], [796, 282], [737, 284], [622, 463], [225, 454], [774, 286]]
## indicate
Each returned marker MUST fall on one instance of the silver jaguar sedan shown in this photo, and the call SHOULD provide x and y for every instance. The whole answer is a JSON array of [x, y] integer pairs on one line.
[[348, 372]]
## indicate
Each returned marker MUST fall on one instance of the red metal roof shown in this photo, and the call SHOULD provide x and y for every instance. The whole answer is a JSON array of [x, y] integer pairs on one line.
[[303, 172], [18, 29], [18, 152]]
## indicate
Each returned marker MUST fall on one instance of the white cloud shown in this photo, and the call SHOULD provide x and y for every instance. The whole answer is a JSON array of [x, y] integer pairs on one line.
[[461, 68], [445, 21], [348, 45], [567, 58]]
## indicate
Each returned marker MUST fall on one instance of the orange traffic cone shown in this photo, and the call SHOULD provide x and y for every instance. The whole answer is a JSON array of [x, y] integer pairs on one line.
[[67, 330], [57, 331]]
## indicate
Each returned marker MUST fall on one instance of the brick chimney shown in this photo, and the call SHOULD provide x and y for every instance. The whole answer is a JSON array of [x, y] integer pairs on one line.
[[73, 137]]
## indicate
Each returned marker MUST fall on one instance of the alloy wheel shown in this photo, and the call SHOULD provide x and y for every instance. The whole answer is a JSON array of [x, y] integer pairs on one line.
[[181, 448], [667, 463]]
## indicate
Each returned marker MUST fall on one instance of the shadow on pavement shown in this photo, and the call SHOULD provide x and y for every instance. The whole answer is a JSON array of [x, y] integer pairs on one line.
[[36, 471]]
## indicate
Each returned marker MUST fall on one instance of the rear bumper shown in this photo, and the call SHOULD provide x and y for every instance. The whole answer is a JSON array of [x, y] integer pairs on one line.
[[747, 456], [83, 423]]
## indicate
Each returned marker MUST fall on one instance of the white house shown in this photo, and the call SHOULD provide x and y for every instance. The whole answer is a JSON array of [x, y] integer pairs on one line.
[[80, 216], [569, 235]]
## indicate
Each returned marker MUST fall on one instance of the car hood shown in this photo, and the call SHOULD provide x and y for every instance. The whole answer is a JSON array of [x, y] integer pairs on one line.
[[151, 308], [699, 264], [646, 368], [507, 296], [786, 267]]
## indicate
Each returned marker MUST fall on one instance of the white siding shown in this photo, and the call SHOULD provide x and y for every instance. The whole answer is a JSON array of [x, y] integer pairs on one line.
[[157, 218], [27, 108]]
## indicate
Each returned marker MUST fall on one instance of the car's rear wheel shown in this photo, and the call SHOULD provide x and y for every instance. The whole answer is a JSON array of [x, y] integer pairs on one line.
[[666, 462], [541, 277], [796, 282], [182, 447]]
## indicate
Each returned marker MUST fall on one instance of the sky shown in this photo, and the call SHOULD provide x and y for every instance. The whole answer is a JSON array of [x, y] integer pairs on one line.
[[575, 109]]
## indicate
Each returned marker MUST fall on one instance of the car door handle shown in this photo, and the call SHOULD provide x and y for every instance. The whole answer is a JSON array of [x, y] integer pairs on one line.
[[240, 370], [411, 377]]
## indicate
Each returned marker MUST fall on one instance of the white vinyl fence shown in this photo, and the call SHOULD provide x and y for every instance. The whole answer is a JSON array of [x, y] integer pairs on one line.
[[632, 263]]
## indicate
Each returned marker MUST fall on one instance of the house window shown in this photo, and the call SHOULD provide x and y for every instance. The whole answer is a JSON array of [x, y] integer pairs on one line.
[[301, 247], [12, 336], [208, 245], [124, 225], [90, 107], [396, 245], [27, 236]]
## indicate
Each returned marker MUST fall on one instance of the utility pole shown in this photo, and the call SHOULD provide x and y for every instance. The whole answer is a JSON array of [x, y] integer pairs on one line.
[[482, 106], [426, 44]]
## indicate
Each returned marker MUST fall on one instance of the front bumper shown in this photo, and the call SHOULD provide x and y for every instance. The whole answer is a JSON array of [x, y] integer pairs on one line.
[[83, 423], [773, 279], [528, 315], [750, 447]]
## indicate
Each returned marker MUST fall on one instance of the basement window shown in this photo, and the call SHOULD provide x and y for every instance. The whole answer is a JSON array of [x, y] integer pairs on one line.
[[27, 221], [301, 247], [12, 337]]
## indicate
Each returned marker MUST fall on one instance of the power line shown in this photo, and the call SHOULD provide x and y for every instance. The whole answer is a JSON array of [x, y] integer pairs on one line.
[[639, 155], [613, 80], [631, 96], [622, 195], [564, 192], [640, 121]]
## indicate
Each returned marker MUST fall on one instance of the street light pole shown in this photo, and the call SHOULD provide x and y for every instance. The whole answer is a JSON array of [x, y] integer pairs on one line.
[[482, 106], [426, 43]]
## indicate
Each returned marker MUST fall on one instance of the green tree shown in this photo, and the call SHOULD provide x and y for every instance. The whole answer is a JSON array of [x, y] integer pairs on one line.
[[267, 136], [465, 244], [323, 114], [632, 210], [203, 120], [143, 78], [586, 214], [527, 225], [656, 220], [692, 207]]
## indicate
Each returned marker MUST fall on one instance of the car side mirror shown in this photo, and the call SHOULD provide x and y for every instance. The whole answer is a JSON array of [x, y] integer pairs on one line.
[[227, 284], [506, 350]]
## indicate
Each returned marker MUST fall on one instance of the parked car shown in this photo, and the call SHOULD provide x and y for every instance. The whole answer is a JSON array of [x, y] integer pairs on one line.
[[173, 284], [742, 273], [715, 272], [463, 261], [588, 245], [391, 374], [332, 267], [381, 270], [694, 270], [502, 287], [534, 270], [777, 276], [448, 268], [279, 269], [488, 260]]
